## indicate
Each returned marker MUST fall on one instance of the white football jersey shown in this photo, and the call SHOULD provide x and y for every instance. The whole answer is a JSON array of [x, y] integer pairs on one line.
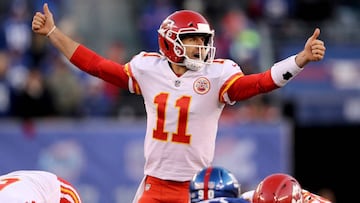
[[31, 186], [182, 113]]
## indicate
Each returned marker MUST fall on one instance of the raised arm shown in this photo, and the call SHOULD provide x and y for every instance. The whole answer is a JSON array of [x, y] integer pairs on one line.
[[280, 73], [43, 24]]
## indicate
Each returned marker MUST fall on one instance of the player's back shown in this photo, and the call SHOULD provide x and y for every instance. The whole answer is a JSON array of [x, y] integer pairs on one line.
[[29, 186]]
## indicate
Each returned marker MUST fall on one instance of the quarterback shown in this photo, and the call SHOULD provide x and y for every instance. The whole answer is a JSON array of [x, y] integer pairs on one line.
[[184, 89]]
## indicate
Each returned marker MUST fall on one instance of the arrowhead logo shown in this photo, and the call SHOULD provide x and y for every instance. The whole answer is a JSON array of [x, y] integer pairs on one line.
[[287, 76]]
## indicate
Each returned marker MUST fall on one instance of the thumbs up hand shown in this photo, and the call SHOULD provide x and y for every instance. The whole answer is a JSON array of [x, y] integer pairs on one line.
[[43, 23], [314, 50]]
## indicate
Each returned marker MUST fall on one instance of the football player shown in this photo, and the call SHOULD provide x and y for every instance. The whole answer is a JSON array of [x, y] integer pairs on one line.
[[215, 185], [36, 186], [283, 188], [218, 185], [184, 89]]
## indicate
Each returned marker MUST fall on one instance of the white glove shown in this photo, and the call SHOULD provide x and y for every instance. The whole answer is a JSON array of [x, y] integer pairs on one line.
[[248, 195]]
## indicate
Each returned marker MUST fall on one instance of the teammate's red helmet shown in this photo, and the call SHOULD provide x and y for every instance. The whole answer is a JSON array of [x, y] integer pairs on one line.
[[278, 188], [184, 22]]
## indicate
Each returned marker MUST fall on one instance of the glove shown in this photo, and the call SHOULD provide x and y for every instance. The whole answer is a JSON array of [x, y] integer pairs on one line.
[[309, 197], [248, 195]]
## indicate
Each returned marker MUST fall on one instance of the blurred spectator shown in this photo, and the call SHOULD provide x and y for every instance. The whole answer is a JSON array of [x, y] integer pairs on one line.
[[123, 104], [276, 11], [95, 102], [257, 109], [34, 100], [66, 88], [195, 5], [16, 28], [239, 39], [102, 99], [6, 92], [16, 39], [38, 50], [115, 52], [153, 13]]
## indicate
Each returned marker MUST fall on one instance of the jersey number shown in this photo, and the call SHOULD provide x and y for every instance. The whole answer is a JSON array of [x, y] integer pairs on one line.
[[7, 181], [210, 194], [183, 104]]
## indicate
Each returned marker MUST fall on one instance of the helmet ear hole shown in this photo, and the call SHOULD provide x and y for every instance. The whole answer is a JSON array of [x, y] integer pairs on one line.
[[178, 50], [166, 45]]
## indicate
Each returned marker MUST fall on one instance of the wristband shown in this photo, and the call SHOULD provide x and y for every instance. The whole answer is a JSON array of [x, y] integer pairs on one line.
[[285, 70], [51, 31]]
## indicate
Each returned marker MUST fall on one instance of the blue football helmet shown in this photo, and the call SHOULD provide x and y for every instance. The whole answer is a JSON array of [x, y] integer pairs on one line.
[[213, 182]]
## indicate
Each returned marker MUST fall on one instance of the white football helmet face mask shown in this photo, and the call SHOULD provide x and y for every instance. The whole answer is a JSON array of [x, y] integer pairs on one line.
[[203, 55], [180, 24]]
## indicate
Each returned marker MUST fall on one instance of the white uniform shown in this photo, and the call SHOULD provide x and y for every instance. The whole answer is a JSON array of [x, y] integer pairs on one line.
[[182, 113], [30, 186]]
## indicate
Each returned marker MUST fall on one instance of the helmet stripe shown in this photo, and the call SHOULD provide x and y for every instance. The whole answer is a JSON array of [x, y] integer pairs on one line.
[[206, 182]]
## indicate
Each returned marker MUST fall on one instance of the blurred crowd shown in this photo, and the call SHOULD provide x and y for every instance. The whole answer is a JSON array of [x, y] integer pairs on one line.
[[37, 82]]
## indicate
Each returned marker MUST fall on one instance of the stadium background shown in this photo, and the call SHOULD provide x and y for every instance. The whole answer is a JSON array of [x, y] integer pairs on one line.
[[319, 110]]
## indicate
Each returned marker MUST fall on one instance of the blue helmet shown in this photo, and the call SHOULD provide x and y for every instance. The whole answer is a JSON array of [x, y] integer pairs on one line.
[[213, 182]]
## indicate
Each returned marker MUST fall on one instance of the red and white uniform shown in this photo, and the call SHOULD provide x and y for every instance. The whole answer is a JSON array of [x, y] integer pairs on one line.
[[182, 111], [30, 186]]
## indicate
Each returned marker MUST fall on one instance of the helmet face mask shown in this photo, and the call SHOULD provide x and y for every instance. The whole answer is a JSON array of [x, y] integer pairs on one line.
[[200, 61], [278, 188], [178, 25], [213, 182]]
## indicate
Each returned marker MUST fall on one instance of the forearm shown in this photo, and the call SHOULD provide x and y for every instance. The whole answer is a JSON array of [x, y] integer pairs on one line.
[[63, 43], [278, 76]]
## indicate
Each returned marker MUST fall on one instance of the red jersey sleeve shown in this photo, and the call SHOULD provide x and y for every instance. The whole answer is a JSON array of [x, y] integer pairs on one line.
[[96, 65], [250, 85]]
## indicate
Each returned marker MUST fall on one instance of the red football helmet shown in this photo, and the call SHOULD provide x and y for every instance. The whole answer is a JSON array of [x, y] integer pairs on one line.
[[278, 188], [174, 27]]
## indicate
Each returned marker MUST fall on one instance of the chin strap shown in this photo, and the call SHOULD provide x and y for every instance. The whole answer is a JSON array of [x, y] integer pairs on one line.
[[193, 65]]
